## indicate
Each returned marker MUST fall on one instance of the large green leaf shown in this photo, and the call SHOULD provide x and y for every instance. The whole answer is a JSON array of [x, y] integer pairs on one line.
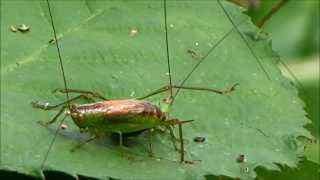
[[261, 119]]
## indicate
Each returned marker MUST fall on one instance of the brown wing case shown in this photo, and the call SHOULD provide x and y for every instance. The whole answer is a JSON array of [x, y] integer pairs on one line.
[[123, 108]]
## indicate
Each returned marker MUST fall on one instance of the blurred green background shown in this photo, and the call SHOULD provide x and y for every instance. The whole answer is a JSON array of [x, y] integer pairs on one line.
[[294, 30]]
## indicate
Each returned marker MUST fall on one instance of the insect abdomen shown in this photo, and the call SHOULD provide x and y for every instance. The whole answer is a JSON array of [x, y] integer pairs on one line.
[[119, 115]]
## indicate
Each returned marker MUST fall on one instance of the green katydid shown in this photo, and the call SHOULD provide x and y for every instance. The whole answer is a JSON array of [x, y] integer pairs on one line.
[[120, 116]]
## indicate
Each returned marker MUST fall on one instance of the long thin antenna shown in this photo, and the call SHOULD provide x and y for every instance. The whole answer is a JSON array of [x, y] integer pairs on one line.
[[244, 39], [64, 81], [201, 60], [51, 143], [167, 43], [293, 76]]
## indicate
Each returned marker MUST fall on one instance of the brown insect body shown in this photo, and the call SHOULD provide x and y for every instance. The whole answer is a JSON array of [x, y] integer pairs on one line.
[[114, 116]]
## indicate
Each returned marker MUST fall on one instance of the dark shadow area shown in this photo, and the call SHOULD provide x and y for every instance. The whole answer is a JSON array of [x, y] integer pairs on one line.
[[213, 177], [49, 175], [82, 177], [53, 175], [306, 170], [15, 175], [112, 139]]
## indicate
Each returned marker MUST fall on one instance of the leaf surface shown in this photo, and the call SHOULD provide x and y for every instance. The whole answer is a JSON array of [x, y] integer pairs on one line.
[[261, 119]]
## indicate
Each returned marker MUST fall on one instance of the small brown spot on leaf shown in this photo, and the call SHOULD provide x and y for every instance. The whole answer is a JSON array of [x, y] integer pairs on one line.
[[23, 28], [64, 126], [133, 32], [241, 158], [191, 162], [52, 41], [199, 139], [13, 29], [194, 54]]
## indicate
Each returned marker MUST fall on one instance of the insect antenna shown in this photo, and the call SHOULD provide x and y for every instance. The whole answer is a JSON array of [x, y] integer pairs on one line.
[[64, 81], [295, 79], [200, 61], [293, 76], [173, 96], [167, 44], [244, 40], [235, 27]]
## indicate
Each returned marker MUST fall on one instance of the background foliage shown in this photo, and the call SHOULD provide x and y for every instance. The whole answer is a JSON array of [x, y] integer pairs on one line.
[[295, 36]]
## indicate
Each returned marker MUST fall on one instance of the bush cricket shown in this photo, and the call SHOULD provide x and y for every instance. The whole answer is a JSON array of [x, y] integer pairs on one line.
[[121, 116], [126, 116]]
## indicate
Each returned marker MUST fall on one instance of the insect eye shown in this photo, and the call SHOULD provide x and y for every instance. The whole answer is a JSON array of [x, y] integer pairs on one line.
[[73, 106]]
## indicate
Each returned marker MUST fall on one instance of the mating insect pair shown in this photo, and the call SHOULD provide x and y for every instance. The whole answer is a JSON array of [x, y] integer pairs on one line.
[[123, 116]]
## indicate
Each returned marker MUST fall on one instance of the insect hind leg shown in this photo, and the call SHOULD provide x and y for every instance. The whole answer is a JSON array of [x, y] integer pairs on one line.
[[87, 93], [169, 87], [173, 138], [47, 107]]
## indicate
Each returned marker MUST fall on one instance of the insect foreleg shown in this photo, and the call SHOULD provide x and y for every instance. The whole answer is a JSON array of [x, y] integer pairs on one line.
[[172, 122], [87, 93], [158, 91], [173, 138]]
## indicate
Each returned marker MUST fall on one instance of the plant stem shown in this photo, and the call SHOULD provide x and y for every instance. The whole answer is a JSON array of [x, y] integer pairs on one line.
[[273, 10]]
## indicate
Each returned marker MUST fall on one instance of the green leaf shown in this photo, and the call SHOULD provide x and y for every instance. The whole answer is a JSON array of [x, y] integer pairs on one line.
[[305, 170], [287, 23], [261, 119]]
